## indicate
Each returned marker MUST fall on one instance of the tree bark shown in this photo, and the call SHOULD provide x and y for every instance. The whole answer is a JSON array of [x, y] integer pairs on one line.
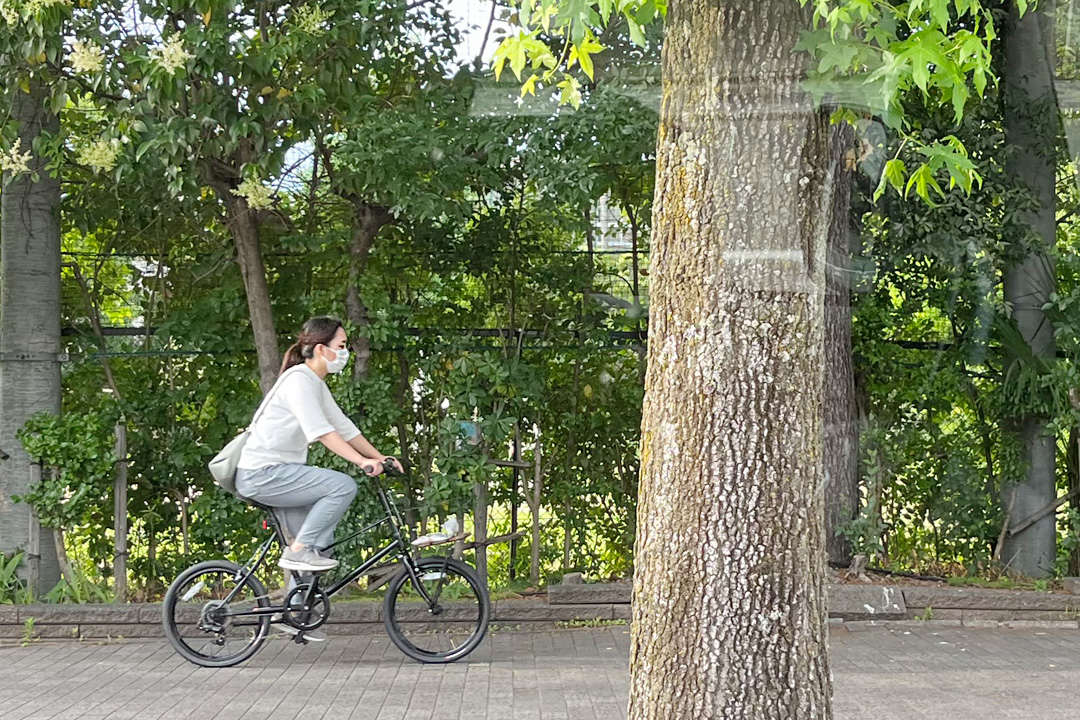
[[480, 522], [62, 563], [534, 508], [1029, 96], [841, 413], [367, 221], [29, 322], [1072, 467], [244, 227], [120, 518], [515, 479], [729, 604]]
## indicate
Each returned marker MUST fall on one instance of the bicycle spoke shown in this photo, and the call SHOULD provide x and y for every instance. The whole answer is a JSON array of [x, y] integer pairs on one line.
[[206, 630], [439, 613]]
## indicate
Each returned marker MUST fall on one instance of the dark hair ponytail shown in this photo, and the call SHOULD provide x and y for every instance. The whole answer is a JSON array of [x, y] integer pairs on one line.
[[316, 331]]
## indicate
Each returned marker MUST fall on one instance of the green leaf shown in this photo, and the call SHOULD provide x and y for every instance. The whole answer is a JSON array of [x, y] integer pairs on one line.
[[922, 56], [959, 98], [571, 91], [893, 174], [529, 86], [979, 77], [839, 56], [646, 13], [923, 181], [517, 58], [939, 13], [586, 63]]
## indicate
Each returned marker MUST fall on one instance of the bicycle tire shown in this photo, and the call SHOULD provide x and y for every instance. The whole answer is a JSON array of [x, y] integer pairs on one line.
[[173, 633], [396, 621]]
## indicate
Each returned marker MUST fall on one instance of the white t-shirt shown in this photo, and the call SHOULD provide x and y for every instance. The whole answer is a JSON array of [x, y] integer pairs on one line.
[[301, 411]]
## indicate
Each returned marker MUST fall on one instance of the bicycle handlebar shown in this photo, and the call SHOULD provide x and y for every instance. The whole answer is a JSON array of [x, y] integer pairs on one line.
[[389, 469]]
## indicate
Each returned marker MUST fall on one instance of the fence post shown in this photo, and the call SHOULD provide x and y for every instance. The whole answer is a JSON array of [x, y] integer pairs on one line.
[[33, 538], [120, 524]]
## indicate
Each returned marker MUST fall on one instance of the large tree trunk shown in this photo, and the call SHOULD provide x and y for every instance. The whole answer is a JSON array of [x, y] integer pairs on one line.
[[367, 221], [29, 323], [841, 413], [1029, 95], [244, 228], [729, 604]]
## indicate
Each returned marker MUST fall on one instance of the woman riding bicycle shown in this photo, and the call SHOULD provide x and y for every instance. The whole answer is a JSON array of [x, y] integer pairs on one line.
[[273, 467]]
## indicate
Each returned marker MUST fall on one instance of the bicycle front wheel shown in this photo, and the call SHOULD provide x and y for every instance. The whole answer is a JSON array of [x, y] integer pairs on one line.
[[440, 617], [203, 627]]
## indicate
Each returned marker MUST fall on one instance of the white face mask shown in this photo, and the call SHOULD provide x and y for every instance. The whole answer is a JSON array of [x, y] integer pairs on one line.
[[341, 359]]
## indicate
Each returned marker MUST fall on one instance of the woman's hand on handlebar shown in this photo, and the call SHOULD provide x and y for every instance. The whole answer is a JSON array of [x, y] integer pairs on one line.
[[392, 464], [370, 467]]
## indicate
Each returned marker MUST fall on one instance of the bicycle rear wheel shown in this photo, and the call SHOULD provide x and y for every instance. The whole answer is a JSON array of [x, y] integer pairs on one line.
[[202, 627], [442, 618]]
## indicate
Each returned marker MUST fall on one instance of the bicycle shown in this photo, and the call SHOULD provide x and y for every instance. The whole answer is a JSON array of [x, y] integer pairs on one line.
[[435, 610]]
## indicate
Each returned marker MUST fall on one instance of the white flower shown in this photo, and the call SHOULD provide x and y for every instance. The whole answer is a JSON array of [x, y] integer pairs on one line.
[[171, 55], [86, 58], [256, 194], [100, 155], [310, 19], [13, 161], [9, 12], [36, 6]]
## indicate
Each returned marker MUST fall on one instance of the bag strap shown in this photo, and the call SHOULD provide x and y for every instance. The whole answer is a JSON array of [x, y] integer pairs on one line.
[[266, 400]]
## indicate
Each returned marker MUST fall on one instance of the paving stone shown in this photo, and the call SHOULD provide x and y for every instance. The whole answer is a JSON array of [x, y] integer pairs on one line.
[[600, 593], [1072, 585], [349, 629], [888, 671]]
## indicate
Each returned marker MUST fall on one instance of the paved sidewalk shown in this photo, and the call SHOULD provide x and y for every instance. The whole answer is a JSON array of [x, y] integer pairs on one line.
[[899, 671]]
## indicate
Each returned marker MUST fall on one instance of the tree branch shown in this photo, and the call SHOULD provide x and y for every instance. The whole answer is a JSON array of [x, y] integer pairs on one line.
[[95, 322]]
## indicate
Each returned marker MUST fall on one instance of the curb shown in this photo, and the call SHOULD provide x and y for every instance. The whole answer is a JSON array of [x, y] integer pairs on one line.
[[854, 607], [95, 622]]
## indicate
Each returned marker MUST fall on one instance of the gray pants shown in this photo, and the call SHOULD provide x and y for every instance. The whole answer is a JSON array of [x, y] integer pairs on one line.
[[309, 501]]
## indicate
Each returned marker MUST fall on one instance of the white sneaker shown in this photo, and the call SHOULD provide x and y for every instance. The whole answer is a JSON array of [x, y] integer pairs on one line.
[[306, 560]]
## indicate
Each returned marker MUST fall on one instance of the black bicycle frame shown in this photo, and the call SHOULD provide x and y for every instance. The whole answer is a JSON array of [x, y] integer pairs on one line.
[[397, 544]]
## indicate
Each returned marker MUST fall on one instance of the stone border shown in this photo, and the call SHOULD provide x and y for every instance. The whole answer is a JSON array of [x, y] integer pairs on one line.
[[589, 604], [348, 618]]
